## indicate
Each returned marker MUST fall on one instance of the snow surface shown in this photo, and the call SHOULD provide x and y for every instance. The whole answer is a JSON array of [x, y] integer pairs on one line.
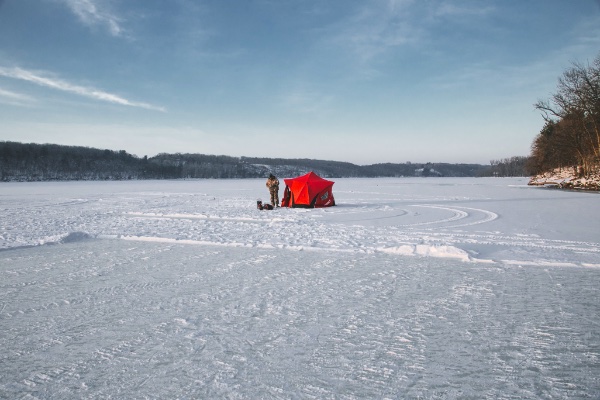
[[409, 288]]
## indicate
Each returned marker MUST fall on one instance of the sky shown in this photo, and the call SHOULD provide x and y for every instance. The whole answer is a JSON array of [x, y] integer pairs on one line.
[[366, 82]]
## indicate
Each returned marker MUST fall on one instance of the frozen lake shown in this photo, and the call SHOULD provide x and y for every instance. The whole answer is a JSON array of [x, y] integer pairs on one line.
[[430, 288]]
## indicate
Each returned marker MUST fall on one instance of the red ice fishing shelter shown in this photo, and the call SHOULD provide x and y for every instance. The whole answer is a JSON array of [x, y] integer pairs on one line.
[[308, 191]]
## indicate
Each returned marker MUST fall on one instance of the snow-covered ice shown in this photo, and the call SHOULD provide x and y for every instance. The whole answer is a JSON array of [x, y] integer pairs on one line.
[[409, 288]]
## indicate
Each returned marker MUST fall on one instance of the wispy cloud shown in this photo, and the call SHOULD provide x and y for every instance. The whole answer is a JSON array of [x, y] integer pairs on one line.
[[381, 27], [376, 28], [17, 99], [42, 80], [302, 100], [457, 10], [91, 14]]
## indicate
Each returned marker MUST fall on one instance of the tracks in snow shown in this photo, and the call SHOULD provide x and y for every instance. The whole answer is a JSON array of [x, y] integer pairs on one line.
[[438, 229], [116, 318], [436, 233]]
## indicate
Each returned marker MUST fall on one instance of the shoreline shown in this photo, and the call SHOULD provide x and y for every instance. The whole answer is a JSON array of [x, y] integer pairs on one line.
[[564, 179]]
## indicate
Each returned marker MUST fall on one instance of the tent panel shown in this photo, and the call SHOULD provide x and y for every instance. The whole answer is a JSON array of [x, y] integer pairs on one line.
[[324, 199], [309, 190]]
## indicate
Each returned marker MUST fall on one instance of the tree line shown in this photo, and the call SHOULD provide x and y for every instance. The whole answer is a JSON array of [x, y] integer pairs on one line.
[[570, 137], [48, 162], [513, 166], [51, 162]]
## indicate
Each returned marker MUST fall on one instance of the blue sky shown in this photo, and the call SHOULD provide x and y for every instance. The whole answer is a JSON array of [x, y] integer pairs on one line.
[[360, 81]]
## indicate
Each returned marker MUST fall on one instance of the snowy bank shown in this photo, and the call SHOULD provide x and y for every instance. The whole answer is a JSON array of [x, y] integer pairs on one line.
[[567, 178]]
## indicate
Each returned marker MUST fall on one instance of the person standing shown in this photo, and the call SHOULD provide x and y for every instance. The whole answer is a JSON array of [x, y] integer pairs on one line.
[[273, 185]]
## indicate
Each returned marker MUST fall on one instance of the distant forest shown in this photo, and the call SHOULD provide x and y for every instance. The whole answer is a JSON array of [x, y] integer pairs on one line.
[[51, 162], [570, 137]]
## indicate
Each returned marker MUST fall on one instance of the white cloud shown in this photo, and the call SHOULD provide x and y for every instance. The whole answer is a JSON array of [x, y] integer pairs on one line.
[[382, 27], [58, 84], [92, 14], [16, 99], [456, 10], [375, 29]]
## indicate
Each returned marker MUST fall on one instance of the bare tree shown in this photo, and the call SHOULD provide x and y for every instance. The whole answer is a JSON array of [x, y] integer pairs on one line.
[[574, 115]]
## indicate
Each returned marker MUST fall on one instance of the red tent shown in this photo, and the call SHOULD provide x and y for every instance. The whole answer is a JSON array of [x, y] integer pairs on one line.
[[308, 191]]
